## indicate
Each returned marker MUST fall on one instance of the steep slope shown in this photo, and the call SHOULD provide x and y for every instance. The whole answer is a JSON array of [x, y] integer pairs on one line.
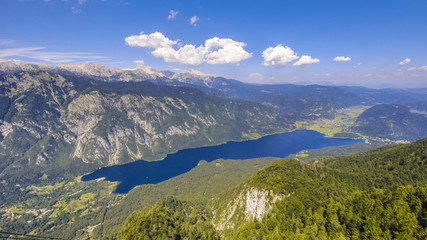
[[91, 70], [294, 101], [295, 199], [291, 100], [169, 218], [76, 209], [371, 97], [56, 126], [379, 194], [391, 121]]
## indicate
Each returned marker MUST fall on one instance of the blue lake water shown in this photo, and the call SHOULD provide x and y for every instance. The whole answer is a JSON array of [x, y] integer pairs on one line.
[[141, 172]]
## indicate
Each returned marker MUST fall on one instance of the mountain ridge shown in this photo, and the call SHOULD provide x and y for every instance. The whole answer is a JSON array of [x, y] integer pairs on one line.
[[380, 193], [57, 120], [295, 101]]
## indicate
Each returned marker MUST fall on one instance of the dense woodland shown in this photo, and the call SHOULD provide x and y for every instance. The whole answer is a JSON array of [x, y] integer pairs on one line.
[[379, 194]]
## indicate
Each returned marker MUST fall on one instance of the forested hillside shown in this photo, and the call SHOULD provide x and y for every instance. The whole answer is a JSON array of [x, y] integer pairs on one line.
[[55, 127], [381, 193], [391, 121]]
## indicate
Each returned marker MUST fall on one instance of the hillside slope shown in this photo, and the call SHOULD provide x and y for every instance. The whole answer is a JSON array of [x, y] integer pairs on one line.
[[381, 193], [290, 192], [391, 121], [56, 126], [294, 101]]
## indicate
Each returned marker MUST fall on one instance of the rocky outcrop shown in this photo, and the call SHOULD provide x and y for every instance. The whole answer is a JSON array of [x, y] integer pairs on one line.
[[92, 70], [53, 121], [250, 204]]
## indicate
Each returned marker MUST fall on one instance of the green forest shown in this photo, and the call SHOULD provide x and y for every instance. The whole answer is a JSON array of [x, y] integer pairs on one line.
[[378, 194]]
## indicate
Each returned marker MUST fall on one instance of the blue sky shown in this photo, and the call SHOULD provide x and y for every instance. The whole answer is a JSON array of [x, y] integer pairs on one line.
[[378, 43]]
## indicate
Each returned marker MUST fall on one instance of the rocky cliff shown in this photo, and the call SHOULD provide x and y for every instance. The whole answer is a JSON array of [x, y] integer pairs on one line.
[[55, 126]]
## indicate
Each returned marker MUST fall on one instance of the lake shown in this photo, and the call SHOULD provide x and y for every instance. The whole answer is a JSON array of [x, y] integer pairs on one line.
[[141, 172]]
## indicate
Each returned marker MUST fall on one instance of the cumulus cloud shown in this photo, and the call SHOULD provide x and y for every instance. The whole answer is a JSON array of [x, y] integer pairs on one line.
[[404, 62], [225, 51], [189, 54], [154, 40], [139, 62], [193, 20], [278, 56], [341, 59], [306, 60], [214, 51], [172, 14], [418, 68]]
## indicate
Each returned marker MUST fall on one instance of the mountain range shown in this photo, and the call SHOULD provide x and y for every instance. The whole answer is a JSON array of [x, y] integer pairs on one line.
[[60, 122], [56, 126]]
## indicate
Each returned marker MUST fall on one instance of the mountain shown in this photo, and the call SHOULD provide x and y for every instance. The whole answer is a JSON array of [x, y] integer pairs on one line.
[[369, 96], [92, 70], [293, 101], [381, 193], [290, 192], [57, 123], [78, 210], [291, 106], [56, 126], [391, 121]]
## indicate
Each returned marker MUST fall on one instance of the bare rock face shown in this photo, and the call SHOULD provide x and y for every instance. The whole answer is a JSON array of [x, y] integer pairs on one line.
[[92, 70], [250, 204], [51, 121]]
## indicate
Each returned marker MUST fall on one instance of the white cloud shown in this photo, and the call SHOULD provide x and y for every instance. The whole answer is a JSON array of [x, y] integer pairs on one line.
[[418, 68], [76, 10], [278, 56], [322, 74], [193, 20], [55, 57], [341, 59], [10, 52], [139, 62], [306, 60], [188, 54], [404, 62], [172, 14], [154, 40], [225, 51], [214, 51], [357, 65], [256, 76], [10, 60], [197, 72]]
